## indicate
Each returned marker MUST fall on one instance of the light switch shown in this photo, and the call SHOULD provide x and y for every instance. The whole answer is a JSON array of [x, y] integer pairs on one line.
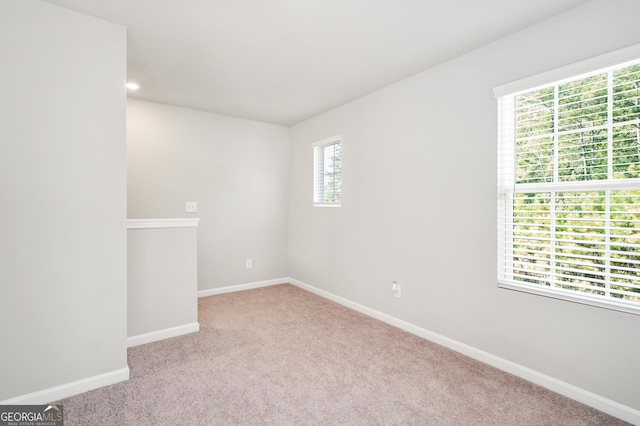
[[191, 207]]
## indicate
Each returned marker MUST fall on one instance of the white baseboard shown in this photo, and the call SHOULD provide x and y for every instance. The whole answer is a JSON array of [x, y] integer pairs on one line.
[[591, 399], [166, 333], [241, 287], [56, 393]]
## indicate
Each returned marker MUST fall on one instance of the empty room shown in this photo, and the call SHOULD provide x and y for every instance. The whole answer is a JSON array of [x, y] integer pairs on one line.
[[293, 212]]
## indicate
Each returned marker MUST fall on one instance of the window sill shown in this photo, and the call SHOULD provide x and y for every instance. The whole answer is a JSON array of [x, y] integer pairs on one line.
[[621, 306], [326, 205]]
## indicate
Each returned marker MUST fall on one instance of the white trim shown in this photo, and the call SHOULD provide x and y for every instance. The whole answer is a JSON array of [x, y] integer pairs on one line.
[[324, 204], [619, 56], [69, 389], [241, 287], [574, 296], [579, 186], [181, 222], [167, 333], [578, 394], [328, 141]]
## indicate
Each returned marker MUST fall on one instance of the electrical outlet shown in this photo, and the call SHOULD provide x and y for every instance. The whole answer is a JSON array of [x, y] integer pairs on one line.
[[191, 207], [249, 263], [396, 290]]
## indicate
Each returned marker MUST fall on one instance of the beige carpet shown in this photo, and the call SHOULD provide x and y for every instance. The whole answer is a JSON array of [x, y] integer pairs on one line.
[[283, 356]]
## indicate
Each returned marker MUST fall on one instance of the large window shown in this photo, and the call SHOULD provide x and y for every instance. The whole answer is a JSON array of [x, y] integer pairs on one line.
[[569, 188], [327, 173]]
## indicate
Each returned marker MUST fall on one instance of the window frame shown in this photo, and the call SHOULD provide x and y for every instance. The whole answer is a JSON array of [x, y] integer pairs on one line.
[[318, 177], [506, 167]]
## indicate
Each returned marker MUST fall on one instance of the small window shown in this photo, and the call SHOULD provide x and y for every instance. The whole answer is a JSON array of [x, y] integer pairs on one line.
[[327, 172], [569, 189]]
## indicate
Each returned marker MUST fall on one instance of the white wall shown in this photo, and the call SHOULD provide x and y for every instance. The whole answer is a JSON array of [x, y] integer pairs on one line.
[[162, 279], [63, 205], [419, 189], [237, 172]]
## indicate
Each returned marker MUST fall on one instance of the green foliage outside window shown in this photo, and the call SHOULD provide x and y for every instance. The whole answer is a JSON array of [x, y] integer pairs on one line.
[[581, 131]]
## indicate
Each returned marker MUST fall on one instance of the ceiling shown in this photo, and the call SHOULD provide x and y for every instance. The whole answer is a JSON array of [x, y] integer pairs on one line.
[[283, 61]]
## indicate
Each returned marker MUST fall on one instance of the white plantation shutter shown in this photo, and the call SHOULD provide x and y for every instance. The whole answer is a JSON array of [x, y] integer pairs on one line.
[[327, 174], [569, 188]]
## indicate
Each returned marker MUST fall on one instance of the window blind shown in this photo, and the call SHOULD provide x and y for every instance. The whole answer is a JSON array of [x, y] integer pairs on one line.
[[569, 188], [328, 171]]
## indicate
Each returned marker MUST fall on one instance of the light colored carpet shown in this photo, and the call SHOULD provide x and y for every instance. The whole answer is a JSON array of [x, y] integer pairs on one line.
[[283, 356]]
